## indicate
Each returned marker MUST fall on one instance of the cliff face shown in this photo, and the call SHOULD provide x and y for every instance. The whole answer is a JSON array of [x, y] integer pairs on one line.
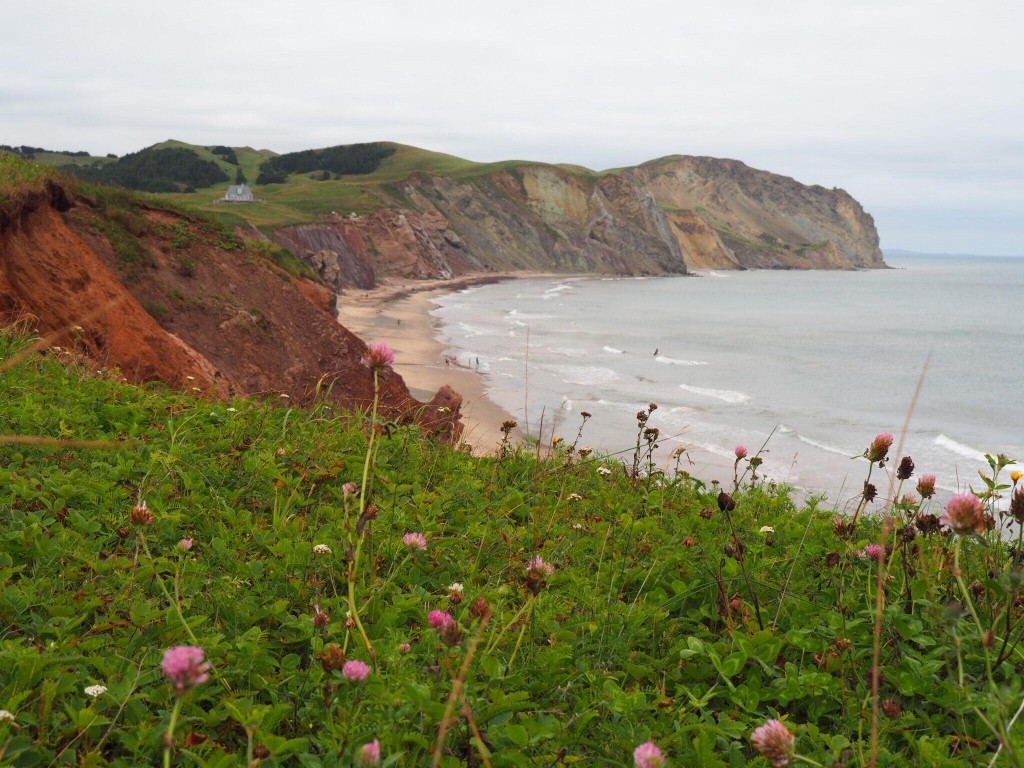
[[163, 297], [663, 217]]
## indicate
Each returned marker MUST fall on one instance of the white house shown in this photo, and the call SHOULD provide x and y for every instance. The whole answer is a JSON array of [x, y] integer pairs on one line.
[[238, 193]]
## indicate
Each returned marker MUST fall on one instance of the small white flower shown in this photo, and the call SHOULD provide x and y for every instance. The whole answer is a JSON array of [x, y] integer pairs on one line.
[[456, 586], [284, 396], [231, 410], [321, 549], [190, 378], [767, 529], [577, 526], [95, 690], [57, 349], [6, 717], [603, 471], [196, 389], [575, 497]]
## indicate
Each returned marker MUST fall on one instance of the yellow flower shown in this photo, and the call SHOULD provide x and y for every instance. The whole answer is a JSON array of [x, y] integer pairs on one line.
[[1016, 476], [556, 440]]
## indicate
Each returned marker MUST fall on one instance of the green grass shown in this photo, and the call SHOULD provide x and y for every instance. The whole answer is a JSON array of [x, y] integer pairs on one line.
[[666, 617], [19, 178]]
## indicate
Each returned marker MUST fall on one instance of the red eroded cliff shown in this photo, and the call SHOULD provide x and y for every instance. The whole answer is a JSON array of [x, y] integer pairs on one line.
[[164, 296]]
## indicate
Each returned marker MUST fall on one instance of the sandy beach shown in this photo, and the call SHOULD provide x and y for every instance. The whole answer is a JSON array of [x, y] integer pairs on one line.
[[397, 312]]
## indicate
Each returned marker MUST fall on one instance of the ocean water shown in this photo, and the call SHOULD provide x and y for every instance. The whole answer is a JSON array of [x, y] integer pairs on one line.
[[815, 363]]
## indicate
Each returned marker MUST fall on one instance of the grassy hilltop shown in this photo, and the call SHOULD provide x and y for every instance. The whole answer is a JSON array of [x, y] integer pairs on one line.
[[362, 593]]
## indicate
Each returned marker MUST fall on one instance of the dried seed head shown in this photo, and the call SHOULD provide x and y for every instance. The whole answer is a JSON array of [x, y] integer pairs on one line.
[[140, 514], [905, 469]]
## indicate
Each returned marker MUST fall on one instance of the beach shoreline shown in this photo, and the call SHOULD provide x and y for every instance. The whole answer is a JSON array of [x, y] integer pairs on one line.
[[397, 312]]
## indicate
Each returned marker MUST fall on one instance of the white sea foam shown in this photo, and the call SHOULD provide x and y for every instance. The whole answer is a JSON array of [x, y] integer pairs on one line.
[[725, 395], [584, 374], [943, 441], [674, 361], [613, 350], [825, 446], [567, 351]]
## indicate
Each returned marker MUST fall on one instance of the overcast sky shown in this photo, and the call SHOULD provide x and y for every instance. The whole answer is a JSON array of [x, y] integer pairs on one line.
[[916, 108]]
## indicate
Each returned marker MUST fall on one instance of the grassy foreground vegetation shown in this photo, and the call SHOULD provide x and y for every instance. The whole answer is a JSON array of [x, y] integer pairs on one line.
[[220, 584]]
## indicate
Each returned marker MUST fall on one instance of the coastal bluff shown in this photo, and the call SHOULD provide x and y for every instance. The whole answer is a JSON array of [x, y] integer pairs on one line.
[[667, 216]]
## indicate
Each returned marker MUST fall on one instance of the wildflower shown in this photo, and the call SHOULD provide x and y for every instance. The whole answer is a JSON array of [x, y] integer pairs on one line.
[[283, 396], [95, 691], [603, 471], [321, 549], [774, 741], [575, 497], [874, 551], [726, 503], [415, 542], [879, 447], [556, 440], [6, 717], [231, 410], [908, 500], [184, 667], [1016, 476], [445, 626], [584, 452], [355, 670], [577, 526], [190, 378], [538, 565], [741, 452], [378, 355], [964, 514], [648, 756], [926, 486], [369, 754], [906, 468], [350, 489], [455, 592], [185, 545], [140, 514], [767, 529], [320, 618], [404, 648]]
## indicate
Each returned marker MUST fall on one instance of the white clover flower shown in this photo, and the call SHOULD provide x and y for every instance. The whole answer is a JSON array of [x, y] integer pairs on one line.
[[95, 690], [603, 471], [575, 497], [231, 410], [767, 529], [456, 586], [321, 549], [6, 717], [577, 526]]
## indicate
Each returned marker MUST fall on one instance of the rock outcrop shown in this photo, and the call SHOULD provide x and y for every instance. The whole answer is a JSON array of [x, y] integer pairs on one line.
[[664, 217]]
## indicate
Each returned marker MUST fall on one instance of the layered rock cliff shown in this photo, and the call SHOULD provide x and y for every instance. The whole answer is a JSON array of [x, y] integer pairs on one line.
[[664, 217]]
